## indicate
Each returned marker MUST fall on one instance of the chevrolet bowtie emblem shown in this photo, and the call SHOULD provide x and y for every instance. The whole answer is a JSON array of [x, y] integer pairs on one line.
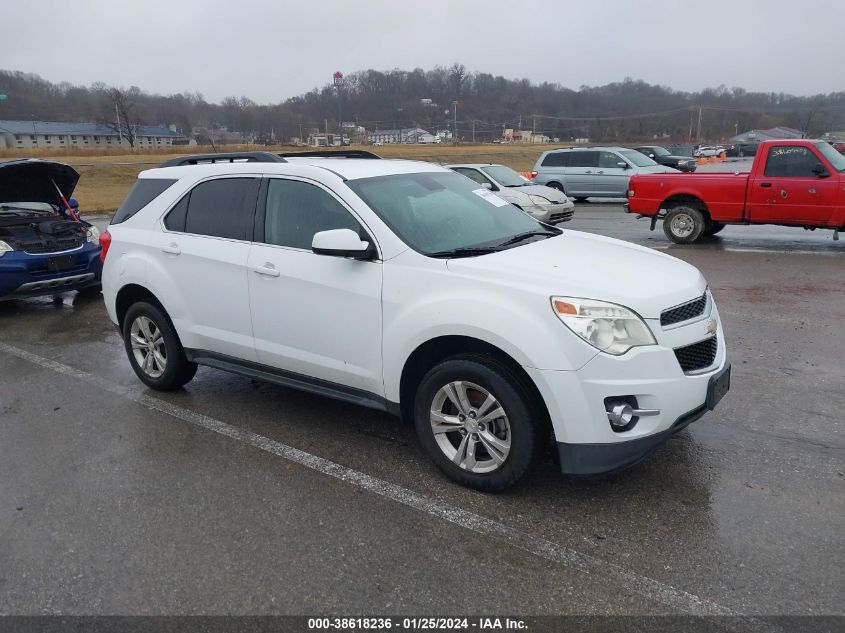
[[711, 326]]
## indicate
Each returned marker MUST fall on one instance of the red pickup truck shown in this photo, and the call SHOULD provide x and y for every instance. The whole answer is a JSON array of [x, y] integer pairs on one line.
[[792, 183]]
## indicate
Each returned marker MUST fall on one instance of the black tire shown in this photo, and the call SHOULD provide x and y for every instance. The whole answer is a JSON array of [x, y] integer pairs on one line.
[[556, 185], [579, 198], [526, 428], [713, 228], [178, 371], [684, 224]]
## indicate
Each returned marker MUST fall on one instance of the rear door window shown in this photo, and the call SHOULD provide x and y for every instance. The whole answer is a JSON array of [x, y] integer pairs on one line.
[[224, 207], [144, 191], [556, 159], [584, 159]]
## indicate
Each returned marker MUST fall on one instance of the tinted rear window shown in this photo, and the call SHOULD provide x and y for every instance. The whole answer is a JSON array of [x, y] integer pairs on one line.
[[584, 159], [144, 191], [556, 159], [223, 208]]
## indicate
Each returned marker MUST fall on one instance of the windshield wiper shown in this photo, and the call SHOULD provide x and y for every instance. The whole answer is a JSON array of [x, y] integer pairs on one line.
[[524, 236], [465, 251]]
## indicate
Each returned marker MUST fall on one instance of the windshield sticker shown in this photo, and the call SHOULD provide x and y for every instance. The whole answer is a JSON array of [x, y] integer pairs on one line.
[[490, 197]]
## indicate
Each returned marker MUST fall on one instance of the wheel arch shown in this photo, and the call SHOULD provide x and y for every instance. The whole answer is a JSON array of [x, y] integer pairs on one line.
[[686, 199], [435, 350], [130, 294]]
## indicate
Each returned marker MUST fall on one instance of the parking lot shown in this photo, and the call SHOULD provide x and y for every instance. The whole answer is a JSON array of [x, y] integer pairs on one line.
[[236, 497]]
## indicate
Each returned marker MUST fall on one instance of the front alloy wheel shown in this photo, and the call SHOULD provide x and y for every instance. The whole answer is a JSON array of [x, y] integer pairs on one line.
[[470, 427], [478, 423]]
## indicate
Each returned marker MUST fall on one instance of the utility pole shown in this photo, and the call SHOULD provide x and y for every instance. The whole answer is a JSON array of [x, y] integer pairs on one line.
[[698, 133], [473, 131], [338, 83], [300, 132], [455, 121], [533, 128]]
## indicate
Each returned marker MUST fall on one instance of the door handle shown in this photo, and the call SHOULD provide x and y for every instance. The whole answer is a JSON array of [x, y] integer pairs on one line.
[[600, 172], [766, 185], [267, 269], [588, 172], [171, 249]]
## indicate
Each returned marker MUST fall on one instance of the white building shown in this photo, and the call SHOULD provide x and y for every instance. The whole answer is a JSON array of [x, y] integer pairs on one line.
[[401, 135], [57, 135]]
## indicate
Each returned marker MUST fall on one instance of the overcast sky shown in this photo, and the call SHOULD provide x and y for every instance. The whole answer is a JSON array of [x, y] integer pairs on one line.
[[270, 50]]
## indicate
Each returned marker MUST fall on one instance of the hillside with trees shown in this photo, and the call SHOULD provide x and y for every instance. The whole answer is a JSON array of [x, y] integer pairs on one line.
[[629, 110]]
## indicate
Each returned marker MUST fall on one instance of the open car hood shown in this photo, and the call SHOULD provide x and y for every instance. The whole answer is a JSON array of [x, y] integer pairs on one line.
[[31, 180]]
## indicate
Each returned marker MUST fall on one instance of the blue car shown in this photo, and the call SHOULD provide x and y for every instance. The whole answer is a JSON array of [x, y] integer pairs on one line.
[[45, 249]]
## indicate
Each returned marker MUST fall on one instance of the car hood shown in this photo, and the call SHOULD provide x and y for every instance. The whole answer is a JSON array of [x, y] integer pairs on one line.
[[591, 266], [31, 180], [549, 193]]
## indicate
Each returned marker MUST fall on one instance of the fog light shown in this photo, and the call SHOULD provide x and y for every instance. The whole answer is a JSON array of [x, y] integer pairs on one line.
[[623, 413]]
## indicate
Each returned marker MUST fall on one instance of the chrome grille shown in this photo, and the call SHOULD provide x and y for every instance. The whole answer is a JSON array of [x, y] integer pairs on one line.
[[684, 312]]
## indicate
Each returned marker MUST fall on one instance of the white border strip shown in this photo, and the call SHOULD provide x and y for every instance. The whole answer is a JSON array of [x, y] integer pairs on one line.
[[644, 586]]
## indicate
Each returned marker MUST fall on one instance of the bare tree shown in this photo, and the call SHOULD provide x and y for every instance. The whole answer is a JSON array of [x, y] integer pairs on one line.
[[121, 115]]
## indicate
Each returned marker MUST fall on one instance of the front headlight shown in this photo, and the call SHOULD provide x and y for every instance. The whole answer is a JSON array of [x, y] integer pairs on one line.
[[93, 235], [540, 200], [606, 326], [4, 248]]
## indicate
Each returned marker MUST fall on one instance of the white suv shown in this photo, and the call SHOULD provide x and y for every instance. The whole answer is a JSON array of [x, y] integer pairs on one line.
[[406, 287]]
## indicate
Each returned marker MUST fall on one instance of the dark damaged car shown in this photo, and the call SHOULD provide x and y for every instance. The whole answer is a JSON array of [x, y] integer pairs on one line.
[[45, 248]]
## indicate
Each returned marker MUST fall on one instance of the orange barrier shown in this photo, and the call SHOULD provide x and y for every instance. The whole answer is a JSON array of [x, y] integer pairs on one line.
[[714, 159], [702, 160], [526, 174], [723, 157]]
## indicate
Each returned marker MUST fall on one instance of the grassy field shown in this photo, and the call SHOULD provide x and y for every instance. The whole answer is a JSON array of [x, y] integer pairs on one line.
[[106, 176]]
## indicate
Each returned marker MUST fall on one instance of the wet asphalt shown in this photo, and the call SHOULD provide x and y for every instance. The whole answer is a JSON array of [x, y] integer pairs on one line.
[[114, 500]]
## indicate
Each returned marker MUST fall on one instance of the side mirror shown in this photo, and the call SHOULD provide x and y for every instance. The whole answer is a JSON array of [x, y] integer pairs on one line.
[[820, 171], [73, 204], [341, 243], [622, 164], [487, 185]]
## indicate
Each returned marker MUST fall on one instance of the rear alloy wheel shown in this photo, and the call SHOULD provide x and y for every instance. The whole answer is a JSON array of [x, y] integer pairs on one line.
[[683, 224], [476, 423], [154, 350]]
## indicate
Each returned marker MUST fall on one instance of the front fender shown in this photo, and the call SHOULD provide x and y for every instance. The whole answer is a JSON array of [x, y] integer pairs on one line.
[[524, 327]]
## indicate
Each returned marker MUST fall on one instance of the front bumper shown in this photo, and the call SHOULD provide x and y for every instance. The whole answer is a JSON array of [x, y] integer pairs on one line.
[[552, 213], [595, 459], [30, 275], [651, 376]]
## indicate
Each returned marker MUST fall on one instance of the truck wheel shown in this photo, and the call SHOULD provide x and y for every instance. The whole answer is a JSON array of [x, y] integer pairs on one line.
[[683, 224], [154, 349], [713, 228], [475, 421]]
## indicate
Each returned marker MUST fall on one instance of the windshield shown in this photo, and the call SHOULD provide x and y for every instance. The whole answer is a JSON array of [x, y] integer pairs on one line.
[[659, 151], [833, 157], [26, 208], [505, 176], [640, 160], [439, 212]]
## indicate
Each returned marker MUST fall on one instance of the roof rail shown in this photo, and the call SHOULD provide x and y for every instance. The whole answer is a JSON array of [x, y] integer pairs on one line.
[[231, 157], [331, 153]]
